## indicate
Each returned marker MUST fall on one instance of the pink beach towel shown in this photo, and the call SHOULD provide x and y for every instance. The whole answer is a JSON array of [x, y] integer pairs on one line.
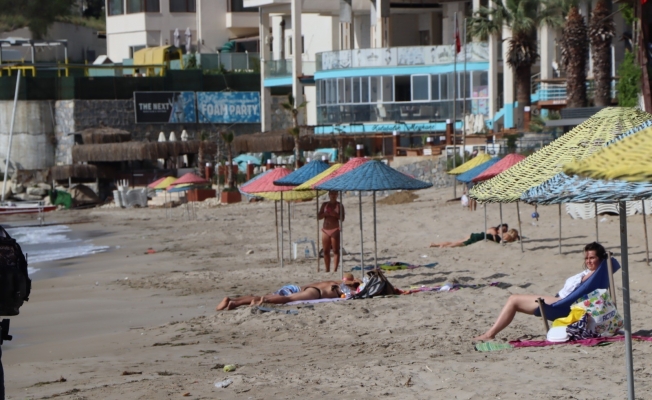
[[583, 342]]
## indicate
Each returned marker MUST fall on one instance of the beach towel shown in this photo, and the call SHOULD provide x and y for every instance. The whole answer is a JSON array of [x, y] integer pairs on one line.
[[313, 301], [583, 342], [492, 346]]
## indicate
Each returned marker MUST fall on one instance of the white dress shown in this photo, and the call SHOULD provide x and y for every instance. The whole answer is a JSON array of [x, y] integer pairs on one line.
[[572, 283]]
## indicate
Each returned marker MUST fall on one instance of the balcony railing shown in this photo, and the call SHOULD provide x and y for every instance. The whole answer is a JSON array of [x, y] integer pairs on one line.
[[401, 56], [556, 91], [392, 112], [283, 68]]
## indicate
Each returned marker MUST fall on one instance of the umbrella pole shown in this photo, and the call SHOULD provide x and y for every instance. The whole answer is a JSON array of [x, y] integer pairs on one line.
[[626, 310], [341, 237], [500, 205], [318, 242], [361, 238], [559, 228], [278, 258], [485, 221], [375, 240], [647, 248], [282, 241], [290, 230], [518, 214], [597, 237]]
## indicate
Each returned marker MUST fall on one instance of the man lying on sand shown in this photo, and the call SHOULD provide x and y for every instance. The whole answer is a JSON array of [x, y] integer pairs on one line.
[[290, 293], [510, 236]]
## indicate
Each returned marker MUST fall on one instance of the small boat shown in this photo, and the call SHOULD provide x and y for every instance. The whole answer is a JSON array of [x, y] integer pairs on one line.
[[11, 207]]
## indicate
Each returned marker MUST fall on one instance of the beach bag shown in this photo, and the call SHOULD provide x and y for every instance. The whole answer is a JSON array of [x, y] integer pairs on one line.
[[603, 312], [15, 284], [377, 285]]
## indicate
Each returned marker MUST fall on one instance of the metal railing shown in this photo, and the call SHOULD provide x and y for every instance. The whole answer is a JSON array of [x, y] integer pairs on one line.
[[282, 68], [401, 56], [550, 91]]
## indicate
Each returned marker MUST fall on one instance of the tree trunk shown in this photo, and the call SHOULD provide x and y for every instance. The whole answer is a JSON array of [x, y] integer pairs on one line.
[[230, 166], [601, 31], [296, 152], [523, 97], [575, 43]]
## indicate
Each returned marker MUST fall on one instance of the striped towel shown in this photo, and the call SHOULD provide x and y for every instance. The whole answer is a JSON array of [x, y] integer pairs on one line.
[[492, 346]]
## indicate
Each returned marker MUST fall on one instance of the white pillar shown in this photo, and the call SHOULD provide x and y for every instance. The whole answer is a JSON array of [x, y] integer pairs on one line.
[[547, 38], [297, 70], [380, 33], [493, 75], [265, 55], [508, 82], [346, 25]]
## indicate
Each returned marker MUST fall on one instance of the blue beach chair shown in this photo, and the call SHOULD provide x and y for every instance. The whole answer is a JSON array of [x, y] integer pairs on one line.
[[600, 279]]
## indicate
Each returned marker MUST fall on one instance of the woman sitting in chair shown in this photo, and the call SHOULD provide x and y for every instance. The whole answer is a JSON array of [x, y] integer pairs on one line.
[[594, 254]]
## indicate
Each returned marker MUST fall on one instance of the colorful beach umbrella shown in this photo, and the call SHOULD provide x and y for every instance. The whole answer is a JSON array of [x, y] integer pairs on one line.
[[579, 143], [165, 183], [307, 185], [501, 166], [156, 182], [472, 163], [468, 176], [190, 178], [352, 164], [372, 176], [303, 174], [631, 162]]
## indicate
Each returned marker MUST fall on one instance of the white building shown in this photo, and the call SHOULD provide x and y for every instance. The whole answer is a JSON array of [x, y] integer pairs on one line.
[[135, 24], [379, 66]]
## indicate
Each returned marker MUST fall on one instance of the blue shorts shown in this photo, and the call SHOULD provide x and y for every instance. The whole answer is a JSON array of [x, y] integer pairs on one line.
[[288, 290]]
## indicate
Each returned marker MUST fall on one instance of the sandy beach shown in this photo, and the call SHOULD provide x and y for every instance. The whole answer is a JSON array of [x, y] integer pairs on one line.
[[126, 324]]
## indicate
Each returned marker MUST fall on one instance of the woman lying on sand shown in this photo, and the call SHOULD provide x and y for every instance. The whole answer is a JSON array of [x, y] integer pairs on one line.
[[594, 253], [509, 236], [290, 293]]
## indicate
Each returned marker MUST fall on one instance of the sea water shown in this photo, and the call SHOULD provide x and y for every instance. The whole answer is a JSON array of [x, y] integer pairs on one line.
[[50, 243]]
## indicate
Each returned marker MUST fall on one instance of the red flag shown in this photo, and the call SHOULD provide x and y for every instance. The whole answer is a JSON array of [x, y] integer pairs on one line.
[[458, 42]]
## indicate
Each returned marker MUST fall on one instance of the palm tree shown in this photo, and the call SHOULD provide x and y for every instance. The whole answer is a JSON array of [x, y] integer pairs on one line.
[[523, 17], [601, 31], [291, 107], [227, 137], [574, 54]]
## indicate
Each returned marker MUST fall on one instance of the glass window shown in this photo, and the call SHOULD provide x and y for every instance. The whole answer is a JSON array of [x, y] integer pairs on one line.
[[374, 89], [420, 86], [480, 84], [434, 87], [465, 87], [340, 91], [182, 6], [443, 87], [364, 86], [388, 88], [137, 6], [116, 7], [356, 90], [347, 90], [402, 89]]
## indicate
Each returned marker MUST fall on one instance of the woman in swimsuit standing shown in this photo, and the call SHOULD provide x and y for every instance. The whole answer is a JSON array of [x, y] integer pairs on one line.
[[331, 212]]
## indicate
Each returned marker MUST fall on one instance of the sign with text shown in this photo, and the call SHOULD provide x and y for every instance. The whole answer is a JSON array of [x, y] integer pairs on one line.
[[165, 107], [228, 107]]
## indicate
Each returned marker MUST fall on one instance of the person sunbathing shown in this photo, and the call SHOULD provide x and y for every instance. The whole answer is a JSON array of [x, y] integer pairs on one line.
[[594, 254], [507, 237], [290, 293]]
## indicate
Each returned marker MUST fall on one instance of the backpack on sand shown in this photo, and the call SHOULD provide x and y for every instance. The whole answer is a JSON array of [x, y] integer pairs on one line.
[[15, 284], [378, 285]]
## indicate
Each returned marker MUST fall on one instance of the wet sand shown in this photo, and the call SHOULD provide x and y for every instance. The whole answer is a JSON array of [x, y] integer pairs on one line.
[[153, 314]]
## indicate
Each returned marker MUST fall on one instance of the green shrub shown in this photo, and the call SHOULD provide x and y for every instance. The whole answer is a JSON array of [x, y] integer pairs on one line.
[[629, 81]]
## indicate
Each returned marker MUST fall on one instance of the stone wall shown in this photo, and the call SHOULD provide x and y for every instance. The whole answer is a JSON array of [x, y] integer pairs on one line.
[[33, 141], [432, 170]]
